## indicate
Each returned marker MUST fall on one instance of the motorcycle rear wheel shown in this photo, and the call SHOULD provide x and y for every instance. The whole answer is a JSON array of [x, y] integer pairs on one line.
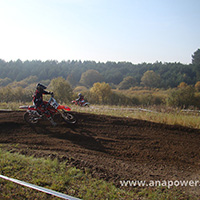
[[69, 118], [30, 119]]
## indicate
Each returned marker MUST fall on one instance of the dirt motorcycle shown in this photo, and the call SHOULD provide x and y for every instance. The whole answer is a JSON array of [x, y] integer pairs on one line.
[[32, 116], [81, 103]]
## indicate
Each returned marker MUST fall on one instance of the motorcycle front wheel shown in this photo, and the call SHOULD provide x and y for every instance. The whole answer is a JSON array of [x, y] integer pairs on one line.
[[30, 119], [69, 118]]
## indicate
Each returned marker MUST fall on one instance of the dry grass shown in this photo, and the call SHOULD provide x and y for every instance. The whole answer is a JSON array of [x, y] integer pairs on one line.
[[155, 114]]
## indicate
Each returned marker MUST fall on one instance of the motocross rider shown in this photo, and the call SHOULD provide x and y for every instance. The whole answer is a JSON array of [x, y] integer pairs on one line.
[[38, 101], [80, 99]]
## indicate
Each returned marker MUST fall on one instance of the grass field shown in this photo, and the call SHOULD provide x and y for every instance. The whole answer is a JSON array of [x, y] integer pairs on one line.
[[61, 177], [54, 175]]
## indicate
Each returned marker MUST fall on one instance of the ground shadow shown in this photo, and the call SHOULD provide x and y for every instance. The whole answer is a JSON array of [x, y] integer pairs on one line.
[[81, 137]]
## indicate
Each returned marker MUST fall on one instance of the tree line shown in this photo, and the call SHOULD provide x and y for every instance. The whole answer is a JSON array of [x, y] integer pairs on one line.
[[97, 81], [122, 75]]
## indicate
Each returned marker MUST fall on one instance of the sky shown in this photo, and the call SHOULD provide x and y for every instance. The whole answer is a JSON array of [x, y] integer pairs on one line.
[[135, 31]]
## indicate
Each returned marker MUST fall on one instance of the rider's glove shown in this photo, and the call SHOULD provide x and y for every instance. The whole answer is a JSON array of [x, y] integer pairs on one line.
[[51, 93]]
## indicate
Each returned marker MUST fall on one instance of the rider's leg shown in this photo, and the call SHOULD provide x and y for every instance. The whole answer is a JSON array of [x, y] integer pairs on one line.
[[48, 116], [52, 121], [39, 111]]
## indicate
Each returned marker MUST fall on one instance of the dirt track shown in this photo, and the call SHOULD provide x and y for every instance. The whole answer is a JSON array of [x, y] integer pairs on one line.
[[113, 148]]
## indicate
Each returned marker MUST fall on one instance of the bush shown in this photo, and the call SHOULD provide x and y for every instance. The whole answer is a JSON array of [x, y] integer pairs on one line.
[[149, 99], [62, 89], [17, 94], [120, 99], [101, 93], [182, 97], [197, 86], [127, 82]]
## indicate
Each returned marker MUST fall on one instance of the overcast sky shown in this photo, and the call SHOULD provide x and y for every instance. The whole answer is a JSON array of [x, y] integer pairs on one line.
[[135, 31]]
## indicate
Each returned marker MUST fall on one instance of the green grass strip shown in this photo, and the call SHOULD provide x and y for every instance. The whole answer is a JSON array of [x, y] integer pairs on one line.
[[53, 175], [60, 177]]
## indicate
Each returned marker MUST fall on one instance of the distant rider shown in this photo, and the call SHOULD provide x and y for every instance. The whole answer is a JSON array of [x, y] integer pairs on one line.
[[39, 103], [80, 99]]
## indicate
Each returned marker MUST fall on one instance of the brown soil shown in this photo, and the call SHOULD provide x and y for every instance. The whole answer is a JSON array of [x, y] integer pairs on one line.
[[112, 148]]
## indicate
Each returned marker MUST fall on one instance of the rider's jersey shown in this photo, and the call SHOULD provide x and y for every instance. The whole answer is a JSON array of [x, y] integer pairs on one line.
[[38, 98], [81, 98]]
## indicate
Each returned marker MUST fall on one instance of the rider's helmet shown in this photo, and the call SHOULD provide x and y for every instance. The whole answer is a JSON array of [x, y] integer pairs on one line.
[[80, 95], [40, 87]]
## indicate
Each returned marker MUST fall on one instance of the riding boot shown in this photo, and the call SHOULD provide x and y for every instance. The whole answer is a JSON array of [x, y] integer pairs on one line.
[[52, 122]]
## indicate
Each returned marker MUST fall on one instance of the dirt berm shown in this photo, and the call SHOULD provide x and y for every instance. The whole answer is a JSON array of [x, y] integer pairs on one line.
[[112, 148]]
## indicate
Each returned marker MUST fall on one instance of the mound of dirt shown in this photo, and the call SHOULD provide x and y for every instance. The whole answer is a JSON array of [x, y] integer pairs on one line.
[[112, 148]]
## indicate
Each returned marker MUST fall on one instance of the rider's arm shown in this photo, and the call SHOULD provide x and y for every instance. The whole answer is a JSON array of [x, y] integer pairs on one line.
[[47, 92]]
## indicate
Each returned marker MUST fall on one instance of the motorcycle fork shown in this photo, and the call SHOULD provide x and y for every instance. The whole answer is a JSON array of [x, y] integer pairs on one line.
[[61, 113]]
